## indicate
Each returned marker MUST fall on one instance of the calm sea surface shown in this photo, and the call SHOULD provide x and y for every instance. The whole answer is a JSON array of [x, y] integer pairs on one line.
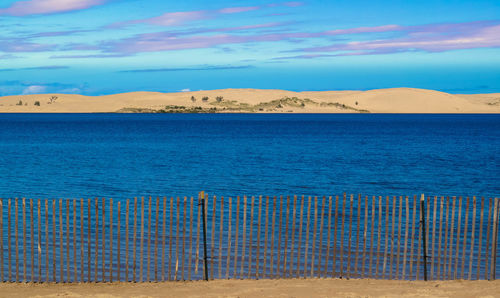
[[127, 155]]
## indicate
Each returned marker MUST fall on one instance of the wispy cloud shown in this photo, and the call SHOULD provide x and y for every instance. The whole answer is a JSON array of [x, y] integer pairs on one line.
[[34, 89], [198, 68], [182, 17], [50, 67], [34, 7], [428, 38]]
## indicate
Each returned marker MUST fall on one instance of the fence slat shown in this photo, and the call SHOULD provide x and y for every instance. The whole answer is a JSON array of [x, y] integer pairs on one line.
[[264, 265], [190, 268], [464, 246], [229, 215], [24, 238], [370, 258], [471, 256], [486, 248], [32, 242], [236, 235], [412, 237], [171, 217], [16, 227], [278, 258], [1, 240], [46, 240], [386, 246], [286, 235], [450, 257], [313, 251], [480, 239], [243, 244], [118, 244], [342, 237], [307, 236], [127, 205], [250, 237], [379, 235], [438, 253], [212, 240], [297, 272], [103, 230], [393, 237], [320, 246], [334, 263], [358, 226], [183, 252], [9, 252], [110, 240], [163, 236], [365, 230], [39, 243], [221, 232], [148, 245], [258, 236], [67, 242], [494, 240], [349, 237], [457, 244], [88, 240], [329, 229], [177, 234]]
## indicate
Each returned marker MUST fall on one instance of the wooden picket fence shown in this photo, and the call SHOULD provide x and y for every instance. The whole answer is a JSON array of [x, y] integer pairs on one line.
[[166, 239]]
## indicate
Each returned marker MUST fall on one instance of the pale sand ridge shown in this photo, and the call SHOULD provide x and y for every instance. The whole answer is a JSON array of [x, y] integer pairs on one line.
[[394, 100]]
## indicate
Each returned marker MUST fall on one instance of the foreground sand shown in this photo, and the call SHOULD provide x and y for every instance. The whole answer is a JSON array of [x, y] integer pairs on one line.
[[262, 288], [395, 100]]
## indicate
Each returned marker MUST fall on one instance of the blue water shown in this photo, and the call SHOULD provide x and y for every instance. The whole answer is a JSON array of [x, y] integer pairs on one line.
[[127, 155]]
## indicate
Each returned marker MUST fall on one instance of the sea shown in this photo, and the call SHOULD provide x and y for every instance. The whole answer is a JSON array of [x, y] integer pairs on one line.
[[129, 155]]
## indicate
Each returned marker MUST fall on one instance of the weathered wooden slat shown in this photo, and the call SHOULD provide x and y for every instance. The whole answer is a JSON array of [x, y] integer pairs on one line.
[[134, 241], [250, 244], [148, 245], [315, 232], [46, 240], [127, 205], [221, 233], [89, 252], [111, 240], [141, 243], [307, 236], [183, 252], [103, 230], [450, 245], [393, 237], [190, 255], [400, 223], [379, 235], [259, 217], [320, 245], [75, 269], [471, 256], [67, 242], [39, 243], [494, 239], [285, 254], [61, 240], [386, 234], [292, 243], [334, 262], [365, 236], [32, 242], [118, 242], [370, 256], [412, 237], [155, 254], [278, 258], [348, 273], [488, 231], [481, 216], [177, 235], [244, 230], [342, 237], [16, 228], [329, 227], [464, 246], [358, 227], [457, 244], [432, 251], [438, 252], [264, 267], [446, 235], [24, 238], [212, 239], [299, 244], [171, 224], [236, 236], [163, 236], [229, 220]]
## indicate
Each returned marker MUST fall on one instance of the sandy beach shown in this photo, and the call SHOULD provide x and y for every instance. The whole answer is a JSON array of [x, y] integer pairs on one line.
[[395, 100], [262, 288]]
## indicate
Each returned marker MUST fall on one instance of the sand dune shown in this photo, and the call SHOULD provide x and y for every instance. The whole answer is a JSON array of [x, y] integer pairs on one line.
[[395, 100]]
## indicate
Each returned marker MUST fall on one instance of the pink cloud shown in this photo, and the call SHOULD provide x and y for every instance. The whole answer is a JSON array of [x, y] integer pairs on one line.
[[430, 38], [31, 7], [238, 9], [385, 28]]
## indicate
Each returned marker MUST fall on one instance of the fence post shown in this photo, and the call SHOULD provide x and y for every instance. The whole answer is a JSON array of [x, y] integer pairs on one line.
[[202, 195], [424, 244]]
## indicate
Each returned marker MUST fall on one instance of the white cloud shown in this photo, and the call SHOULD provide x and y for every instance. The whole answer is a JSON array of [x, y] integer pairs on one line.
[[186, 90], [34, 89]]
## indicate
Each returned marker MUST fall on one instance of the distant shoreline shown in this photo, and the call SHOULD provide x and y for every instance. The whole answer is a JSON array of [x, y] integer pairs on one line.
[[394, 100]]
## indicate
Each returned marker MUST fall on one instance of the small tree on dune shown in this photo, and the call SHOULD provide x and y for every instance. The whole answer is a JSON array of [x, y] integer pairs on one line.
[[205, 98], [193, 99], [219, 98]]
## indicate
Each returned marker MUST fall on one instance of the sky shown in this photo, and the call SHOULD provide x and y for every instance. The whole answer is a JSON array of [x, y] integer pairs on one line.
[[96, 47]]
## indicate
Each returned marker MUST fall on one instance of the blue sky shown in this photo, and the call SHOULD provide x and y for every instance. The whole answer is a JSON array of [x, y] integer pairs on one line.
[[96, 47]]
